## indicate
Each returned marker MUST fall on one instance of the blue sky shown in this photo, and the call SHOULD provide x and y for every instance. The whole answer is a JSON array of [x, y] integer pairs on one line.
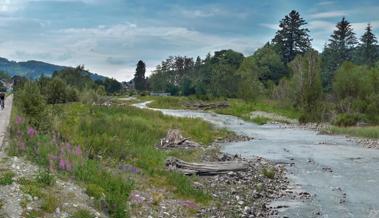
[[110, 36]]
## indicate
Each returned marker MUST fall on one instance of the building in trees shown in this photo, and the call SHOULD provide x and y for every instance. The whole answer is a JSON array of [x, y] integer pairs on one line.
[[292, 38]]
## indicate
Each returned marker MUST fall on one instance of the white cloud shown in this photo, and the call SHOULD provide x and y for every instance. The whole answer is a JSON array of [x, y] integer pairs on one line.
[[270, 26], [321, 25], [326, 3], [328, 14], [113, 50]]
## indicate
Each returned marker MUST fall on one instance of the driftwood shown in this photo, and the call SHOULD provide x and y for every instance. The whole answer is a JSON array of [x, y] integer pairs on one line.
[[206, 105], [206, 168], [174, 139]]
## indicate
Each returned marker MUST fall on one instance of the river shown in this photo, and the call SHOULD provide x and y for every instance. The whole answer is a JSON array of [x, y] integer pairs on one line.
[[341, 176]]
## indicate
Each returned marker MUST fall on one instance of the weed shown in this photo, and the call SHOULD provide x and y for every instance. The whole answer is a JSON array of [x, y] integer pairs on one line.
[[95, 191], [49, 203], [6, 178], [82, 214], [45, 178]]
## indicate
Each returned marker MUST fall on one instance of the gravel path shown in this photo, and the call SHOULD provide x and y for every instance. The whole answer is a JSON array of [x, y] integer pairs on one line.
[[4, 117]]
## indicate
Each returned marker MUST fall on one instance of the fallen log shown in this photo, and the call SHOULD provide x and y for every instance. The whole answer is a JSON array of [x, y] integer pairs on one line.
[[206, 168], [174, 139]]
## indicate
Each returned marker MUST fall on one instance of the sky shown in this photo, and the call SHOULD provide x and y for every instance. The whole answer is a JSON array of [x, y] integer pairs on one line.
[[110, 36]]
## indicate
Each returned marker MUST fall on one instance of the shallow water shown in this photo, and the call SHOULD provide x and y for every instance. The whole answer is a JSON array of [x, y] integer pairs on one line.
[[341, 176]]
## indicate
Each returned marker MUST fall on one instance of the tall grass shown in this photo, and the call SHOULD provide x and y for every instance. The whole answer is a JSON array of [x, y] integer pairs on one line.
[[243, 109], [363, 132], [238, 107], [129, 134]]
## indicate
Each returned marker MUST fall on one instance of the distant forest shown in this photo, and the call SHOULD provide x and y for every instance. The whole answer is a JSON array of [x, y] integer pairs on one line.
[[343, 79]]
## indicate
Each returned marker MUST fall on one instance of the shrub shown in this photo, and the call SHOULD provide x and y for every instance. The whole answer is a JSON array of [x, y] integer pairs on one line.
[[82, 214], [95, 191], [31, 103], [269, 172], [6, 178], [45, 178], [347, 119], [49, 203]]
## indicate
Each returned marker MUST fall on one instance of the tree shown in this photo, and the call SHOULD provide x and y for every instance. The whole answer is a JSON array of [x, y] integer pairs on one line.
[[368, 50], [266, 64], [306, 84], [139, 76], [339, 50], [291, 39]]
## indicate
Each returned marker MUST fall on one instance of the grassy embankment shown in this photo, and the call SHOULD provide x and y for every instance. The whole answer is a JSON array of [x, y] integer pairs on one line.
[[362, 132], [237, 107], [109, 136]]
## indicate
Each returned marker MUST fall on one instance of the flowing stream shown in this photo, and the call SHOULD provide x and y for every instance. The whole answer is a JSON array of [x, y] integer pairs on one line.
[[341, 176]]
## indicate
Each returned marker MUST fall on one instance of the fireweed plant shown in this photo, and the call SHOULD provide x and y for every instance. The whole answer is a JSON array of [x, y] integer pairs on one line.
[[70, 160]]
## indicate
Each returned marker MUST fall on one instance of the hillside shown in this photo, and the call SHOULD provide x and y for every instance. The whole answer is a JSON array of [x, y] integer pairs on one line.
[[34, 69]]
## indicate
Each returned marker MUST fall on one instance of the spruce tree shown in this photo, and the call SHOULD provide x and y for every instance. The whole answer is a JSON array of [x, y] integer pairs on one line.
[[139, 76], [368, 46], [342, 41], [292, 39], [340, 49]]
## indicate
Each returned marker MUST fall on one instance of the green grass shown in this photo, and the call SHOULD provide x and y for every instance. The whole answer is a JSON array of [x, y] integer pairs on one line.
[[363, 132], [243, 109], [129, 134], [112, 135], [82, 214], [238, 107], [6, 178]]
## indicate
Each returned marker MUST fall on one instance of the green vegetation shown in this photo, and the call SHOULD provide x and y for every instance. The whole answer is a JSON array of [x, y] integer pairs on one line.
[[6, 178], [363, 132], [46, 178], [82, 214], [343, 79], [243, 109], [85, 142], [49, 203]]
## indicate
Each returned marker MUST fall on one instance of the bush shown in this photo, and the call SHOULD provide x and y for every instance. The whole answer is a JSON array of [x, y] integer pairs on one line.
[[31, 103], [45, 178], [82, 214], [6, 178], [269, 172], [347, 119], [95, 191], [49, 203]]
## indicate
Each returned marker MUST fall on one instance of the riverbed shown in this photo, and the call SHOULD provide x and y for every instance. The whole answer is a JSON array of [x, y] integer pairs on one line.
[[341, 176]]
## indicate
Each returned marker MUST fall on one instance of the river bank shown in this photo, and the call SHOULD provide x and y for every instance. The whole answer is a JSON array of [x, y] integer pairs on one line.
[[337, 174]]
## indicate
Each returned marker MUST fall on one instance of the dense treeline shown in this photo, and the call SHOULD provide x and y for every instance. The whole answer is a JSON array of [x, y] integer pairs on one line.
[[67, 85], [342, 80]]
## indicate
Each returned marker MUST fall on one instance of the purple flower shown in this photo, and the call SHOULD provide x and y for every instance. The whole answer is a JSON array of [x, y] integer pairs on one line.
[[78, 151], [62, 164], [68, 146], [32, 132], [68, 166], [19, 120]]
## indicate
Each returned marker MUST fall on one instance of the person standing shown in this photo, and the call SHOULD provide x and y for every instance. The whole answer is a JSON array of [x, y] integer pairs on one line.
[[2, 100]]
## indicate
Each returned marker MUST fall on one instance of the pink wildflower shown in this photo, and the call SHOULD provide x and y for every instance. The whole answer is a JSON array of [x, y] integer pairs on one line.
[[68, 166], [78, 151], [19, 120], [32, 132], [62, 164], [68, 146]]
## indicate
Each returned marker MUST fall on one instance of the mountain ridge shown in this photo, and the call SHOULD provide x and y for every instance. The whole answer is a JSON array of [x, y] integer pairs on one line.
[[33, 69]]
